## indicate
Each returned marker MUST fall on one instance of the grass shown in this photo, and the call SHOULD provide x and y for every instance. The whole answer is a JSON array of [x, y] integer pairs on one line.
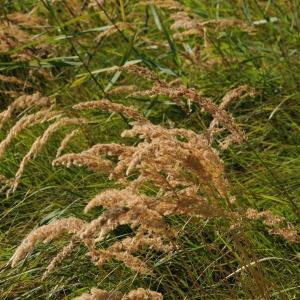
[[263, 172]]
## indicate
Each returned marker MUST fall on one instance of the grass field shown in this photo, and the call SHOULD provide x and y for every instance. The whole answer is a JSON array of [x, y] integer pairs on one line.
[[72, 51]]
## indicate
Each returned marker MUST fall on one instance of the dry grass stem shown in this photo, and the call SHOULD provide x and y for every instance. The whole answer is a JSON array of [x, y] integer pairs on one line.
[[229, 97], [276, 224], [26, 19], [197, 26], [115, 28], [166, 4], [26, 121], [138, 294], [46, 233], [39, 143], [107, 105], [92, 162], [123, 89], [66, 141], [178, 93], [22, 103], [11, 79]]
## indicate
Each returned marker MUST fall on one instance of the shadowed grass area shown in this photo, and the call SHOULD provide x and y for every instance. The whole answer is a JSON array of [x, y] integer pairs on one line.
[[213, 261]]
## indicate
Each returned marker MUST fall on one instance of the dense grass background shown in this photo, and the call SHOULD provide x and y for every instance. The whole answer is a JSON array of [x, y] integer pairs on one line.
[[263, 172]]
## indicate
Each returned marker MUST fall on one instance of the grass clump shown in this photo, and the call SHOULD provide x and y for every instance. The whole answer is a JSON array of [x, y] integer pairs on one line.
[[178, 123]]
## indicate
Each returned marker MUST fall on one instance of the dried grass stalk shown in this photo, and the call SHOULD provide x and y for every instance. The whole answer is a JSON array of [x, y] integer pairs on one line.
[[26, 121], [58, 258], [235, 94], [11, 79], [151, 229], [46, 233], [110, 150], [138, 294], [13, 35], [5, 183], [66, 141], [229, 97], [165, 4], [23, 102], [10, 36], [96, 3], [275, 223], [123, 89], [115, 28], [180, 92], [197, 26], [107, 105], [92, 162], [159, 159], [26, 19], [181, 166], [39, 143]]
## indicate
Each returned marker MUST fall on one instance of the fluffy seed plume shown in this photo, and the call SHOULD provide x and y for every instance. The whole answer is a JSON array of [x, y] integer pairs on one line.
[[107, 105], [193, 25], [23, 102], [150, 233], [10, 36], [25, 19], [276, 224], [138, 294], [66, 141], [229, 97], [131, 209], [45, 233], [92, 162], [58, 258], [13, 34], [166, 4], [27, 120], [11, 79], [39, 143], [180, 92], [110, 149], [180, 164], [115, 28], [123, 89], [234, 94]]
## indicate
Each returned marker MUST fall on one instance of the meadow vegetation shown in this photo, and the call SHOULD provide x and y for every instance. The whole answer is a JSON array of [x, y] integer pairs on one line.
[[149, 149]]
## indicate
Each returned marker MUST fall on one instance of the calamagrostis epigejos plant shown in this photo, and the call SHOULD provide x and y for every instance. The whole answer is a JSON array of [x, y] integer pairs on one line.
[[181, 166], [12, 80], [166, 4], [138, 294], [22, 103], [275, 223], [10, 36], [180, 93], [66, 141], [38, 143], [27, 20], [13, 34], [107, 105], [198, 26], [26, 121]]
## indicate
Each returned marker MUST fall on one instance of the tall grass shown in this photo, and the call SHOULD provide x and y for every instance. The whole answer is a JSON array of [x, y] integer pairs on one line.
[[198, 197]]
